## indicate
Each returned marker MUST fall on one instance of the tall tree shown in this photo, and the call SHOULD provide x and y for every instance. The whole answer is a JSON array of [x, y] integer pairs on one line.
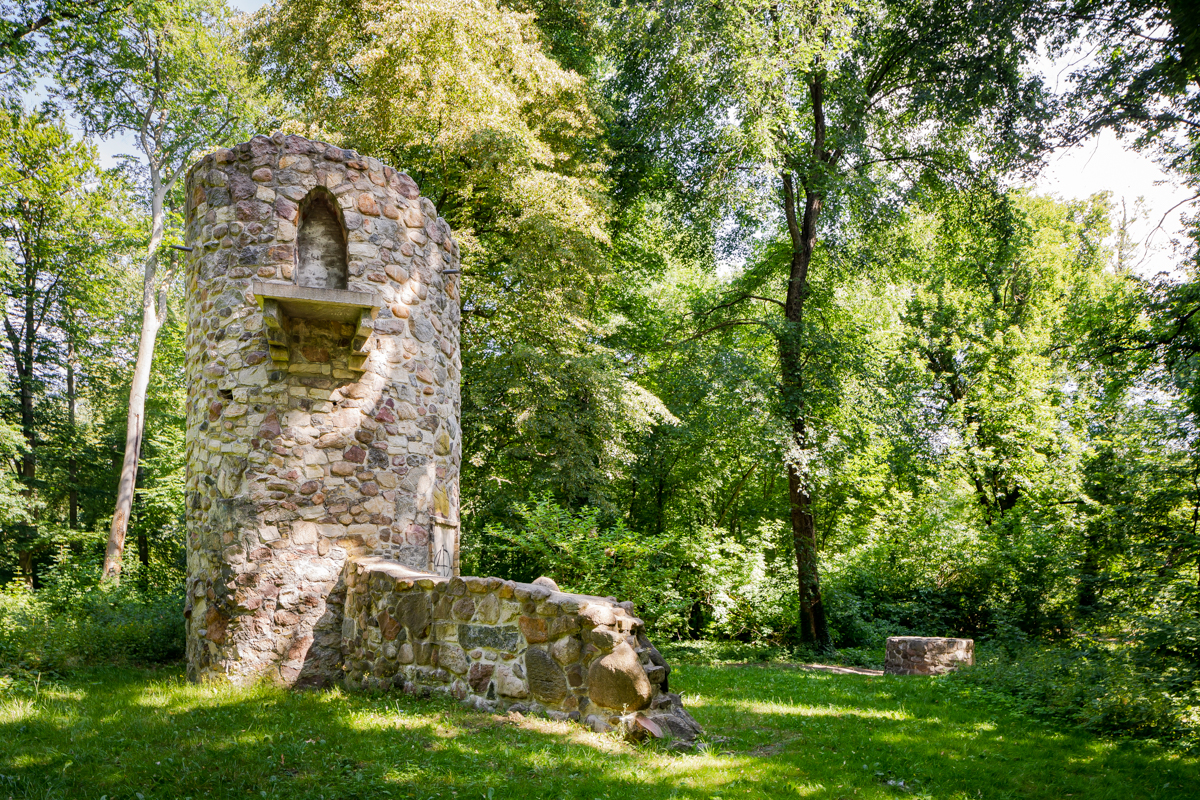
[[507, 144], [61, 222], [990, 323], [781, 112], [167, 78], [1142, 78], [31, 31]]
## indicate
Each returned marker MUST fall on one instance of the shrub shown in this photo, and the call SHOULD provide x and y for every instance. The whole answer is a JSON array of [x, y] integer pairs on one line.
[[74, 620], [1102, 686], [683, 583]]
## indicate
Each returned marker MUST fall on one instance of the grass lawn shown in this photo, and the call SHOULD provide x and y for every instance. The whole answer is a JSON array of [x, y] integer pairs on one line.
[[772, 731]]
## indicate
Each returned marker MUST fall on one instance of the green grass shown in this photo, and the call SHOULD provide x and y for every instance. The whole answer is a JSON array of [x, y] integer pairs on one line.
[[771, 732]]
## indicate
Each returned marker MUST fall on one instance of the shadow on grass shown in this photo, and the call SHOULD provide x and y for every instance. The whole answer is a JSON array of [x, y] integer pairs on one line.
[[771, 733]]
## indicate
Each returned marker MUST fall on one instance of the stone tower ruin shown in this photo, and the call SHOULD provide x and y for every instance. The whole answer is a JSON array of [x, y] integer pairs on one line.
[[323, 450], [323, 399]]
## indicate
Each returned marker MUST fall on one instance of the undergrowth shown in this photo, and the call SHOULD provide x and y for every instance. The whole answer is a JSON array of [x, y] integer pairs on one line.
[[74, 620]]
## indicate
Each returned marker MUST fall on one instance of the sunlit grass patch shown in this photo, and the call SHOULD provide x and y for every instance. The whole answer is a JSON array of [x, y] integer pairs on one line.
[[775, 707], [770, 732]]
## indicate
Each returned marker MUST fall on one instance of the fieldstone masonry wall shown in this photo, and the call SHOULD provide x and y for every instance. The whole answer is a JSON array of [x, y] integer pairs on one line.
[[501, 645], [926, 655], [322, 419]]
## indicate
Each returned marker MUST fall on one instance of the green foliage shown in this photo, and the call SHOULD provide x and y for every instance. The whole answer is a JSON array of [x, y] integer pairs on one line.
[[701, 243], [163, 72], [1096, 684], [508, 145], [664, 574], [32, 32], [66, 225], [74, 620]]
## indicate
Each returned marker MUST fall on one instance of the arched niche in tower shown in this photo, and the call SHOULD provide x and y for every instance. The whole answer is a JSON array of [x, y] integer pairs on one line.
[[321, 250]]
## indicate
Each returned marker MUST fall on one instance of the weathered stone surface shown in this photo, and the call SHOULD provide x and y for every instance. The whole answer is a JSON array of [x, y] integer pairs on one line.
[[479, 676], [388, 626], [926, 655], [464, 608], [414, 613], [487, 610], [533, 629], [676, 720], [617, 681], [565, 650], [508, 684], [648, 726], [603, 639], [547, 681], [452, 658], [596, 614], [598, 723], [324, 453], [563, 625], [493, 665], [503, 637], [291, 468]]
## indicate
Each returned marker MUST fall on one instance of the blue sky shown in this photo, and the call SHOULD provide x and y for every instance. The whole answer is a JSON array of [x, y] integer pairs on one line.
[[247, 5]]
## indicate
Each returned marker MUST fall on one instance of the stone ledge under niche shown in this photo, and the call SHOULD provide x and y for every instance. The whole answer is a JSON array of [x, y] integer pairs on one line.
[[279, 300]]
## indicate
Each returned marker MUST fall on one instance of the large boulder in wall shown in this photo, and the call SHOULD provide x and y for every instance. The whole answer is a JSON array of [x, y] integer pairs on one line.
[[618, 681]]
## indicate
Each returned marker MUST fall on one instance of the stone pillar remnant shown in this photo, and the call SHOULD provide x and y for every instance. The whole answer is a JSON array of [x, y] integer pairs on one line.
[[926, 655], [323, 398]]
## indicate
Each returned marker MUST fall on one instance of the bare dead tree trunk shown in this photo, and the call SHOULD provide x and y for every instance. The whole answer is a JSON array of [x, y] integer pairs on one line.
[[154, 301]]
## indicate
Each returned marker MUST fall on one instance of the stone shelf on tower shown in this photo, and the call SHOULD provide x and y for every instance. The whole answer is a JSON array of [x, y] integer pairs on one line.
[[287, 300]]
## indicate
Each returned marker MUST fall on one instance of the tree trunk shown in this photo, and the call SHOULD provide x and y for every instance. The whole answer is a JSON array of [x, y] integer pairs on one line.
[[28, 473], [24, 357], [72, 467], [143, 548], [25, 567], [803, 234], [1087, 596], [153, 309], [813, 626]]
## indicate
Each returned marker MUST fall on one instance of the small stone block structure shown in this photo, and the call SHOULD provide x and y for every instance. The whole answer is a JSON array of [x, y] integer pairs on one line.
[[927, 655], [501, 645]]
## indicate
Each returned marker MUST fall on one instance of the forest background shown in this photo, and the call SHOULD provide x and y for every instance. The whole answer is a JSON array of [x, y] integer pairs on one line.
[[759, 327]]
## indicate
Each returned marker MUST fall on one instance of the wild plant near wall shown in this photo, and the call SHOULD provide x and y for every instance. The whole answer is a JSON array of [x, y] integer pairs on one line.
[[73, 619], [681, 582]]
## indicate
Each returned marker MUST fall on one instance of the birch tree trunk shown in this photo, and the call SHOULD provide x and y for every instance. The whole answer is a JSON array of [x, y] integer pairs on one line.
[[153, 310]]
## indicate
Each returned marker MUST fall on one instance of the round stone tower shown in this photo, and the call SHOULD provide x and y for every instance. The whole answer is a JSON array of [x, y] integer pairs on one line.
[[323, 398]]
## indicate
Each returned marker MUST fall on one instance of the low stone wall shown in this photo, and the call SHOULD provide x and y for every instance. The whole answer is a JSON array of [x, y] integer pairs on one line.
[[926, 655], [501, 645]]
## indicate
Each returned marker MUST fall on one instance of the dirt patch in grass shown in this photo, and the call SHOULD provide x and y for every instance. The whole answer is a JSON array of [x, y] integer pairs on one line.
[[830, 668]]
